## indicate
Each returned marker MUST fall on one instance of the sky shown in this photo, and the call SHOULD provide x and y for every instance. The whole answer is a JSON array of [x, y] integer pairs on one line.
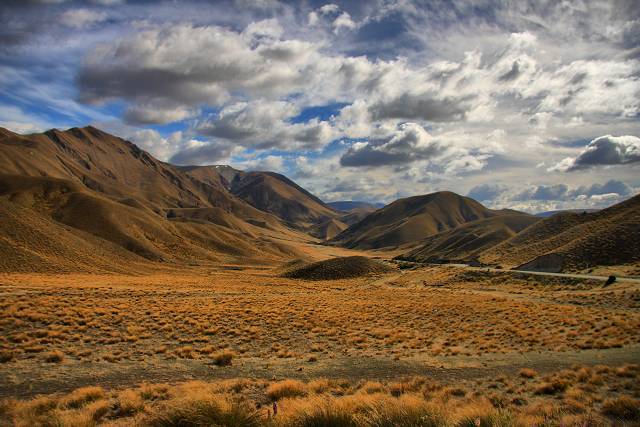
[[527, 104]]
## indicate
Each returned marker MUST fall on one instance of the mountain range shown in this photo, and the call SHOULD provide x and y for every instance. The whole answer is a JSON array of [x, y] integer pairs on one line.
[[85, 200]]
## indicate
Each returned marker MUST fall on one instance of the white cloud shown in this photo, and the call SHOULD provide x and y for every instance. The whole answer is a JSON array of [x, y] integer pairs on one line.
[[606, 150], [82, 18]]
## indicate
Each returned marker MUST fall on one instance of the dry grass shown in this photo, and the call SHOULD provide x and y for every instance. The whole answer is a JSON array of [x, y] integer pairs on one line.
[[322, 402], [114, 322], [434, 312], [286, 388]]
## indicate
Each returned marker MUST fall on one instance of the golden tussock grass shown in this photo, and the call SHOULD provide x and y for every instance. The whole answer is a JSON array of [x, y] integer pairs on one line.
[[321, 402]]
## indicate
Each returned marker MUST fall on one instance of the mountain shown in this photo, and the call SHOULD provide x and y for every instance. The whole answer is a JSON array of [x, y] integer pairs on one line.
[[329, 229], [466, 242], [547, 214], [349, 205], [412, 219], [275, 193], [270, 192], [574, 241], [94, 193]]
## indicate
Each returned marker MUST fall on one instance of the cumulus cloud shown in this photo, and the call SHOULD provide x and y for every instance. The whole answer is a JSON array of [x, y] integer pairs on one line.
[[425, 106], [603, 151], [203, 153], [409, 142], [265, 124], [543, 197], [486, 192], [156, 114]]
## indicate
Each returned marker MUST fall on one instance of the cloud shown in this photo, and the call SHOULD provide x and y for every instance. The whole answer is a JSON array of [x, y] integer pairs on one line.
[[486, 192], [270, 163], [603, 151], [425, 106], [266, 124], [547, 197], [82, 18], [203, 153], [156, 114], [408, 143]]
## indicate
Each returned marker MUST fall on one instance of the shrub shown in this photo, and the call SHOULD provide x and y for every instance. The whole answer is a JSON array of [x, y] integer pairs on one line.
[[286, 388]]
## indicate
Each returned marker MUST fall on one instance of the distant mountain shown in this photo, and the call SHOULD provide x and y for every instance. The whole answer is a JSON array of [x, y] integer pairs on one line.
[[466, 242], [269, 192], [349, 205], [574, 241], [547, 214], [328, 229], [82, 199], [412, 219]]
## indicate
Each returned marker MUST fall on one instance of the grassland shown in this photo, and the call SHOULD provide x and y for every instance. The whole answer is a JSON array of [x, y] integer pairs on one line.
[[441, 341]]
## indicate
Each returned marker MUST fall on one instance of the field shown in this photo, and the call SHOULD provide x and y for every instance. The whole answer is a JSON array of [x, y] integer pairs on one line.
[[443, 341]]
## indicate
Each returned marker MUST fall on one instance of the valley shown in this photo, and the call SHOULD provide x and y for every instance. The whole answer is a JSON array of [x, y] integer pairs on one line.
[[131, 288]]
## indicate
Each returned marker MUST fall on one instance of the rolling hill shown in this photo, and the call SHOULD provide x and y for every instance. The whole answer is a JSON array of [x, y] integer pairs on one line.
[[574, 241], [412, 219], [466, 242]]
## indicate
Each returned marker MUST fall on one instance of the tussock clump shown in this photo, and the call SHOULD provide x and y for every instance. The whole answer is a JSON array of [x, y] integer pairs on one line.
[[339, 268], [286, 388], [55, 356], [622, 408], [223, 358], [213, 410]]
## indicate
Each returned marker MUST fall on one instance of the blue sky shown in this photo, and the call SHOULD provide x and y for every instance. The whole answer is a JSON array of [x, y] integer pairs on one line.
[[531, 104]]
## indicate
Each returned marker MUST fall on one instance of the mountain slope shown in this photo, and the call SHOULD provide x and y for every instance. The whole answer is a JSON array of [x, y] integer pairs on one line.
[[571, 241], [276, 194], [412, 219], [86, 188], [466, 242]]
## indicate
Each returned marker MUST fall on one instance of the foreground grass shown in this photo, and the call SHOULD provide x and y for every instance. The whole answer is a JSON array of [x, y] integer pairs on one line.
[[566, 398]]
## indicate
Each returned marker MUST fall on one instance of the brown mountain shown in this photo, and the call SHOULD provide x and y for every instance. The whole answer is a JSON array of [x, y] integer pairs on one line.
[[574, 241], [87, 189], [466, 242], [274, 193], [412, 219]]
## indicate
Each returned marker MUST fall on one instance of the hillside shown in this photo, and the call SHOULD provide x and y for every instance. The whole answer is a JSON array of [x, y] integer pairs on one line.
[[412, 219], [466, 242], [93, 192], [278, 195], [571, 241]]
